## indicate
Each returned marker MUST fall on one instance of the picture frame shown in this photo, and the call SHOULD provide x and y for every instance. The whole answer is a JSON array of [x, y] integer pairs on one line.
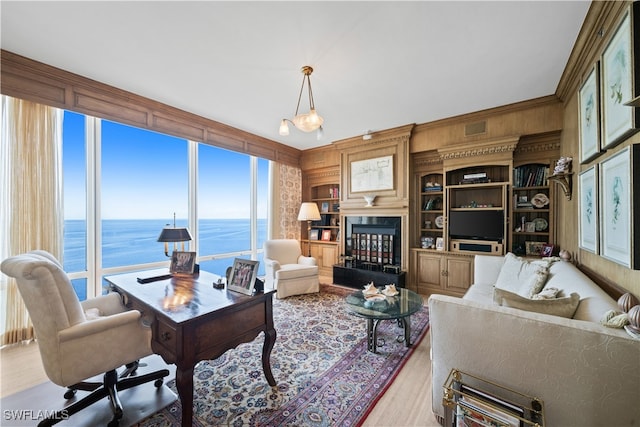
[[619, 82], [616, 207], [588, 209], [439, 244], [243, 276], [182, 262], [477, 408], [326, 235], [534, 248], [530, 227], [547, 250], [324, 207], [372, 174], [314, 234], [589, 115]]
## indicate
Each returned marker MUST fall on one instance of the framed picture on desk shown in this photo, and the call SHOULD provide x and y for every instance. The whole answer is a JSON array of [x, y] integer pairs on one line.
[[243, 276], [182, 262]]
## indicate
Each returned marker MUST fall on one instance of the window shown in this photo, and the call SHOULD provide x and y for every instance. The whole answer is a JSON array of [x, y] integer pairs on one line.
[[124, 184]]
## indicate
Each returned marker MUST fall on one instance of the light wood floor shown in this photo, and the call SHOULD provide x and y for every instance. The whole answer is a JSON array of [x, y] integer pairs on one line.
[[406, 403]]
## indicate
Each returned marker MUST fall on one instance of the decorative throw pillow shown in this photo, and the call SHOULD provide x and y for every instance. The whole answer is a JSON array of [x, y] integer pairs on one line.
[[614, 319], [547, 293], [525, 278], [563, 307]]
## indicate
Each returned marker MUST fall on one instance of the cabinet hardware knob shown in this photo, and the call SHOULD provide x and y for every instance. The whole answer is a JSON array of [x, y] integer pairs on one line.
[[165, 336]]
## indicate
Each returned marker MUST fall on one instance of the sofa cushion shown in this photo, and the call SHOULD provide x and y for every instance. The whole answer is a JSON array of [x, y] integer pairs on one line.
[[523, 277], [294, 271], [563, 307]]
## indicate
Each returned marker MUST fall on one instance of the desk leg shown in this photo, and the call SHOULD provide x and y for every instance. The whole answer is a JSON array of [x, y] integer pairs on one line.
[[184, 384], [269, 341]]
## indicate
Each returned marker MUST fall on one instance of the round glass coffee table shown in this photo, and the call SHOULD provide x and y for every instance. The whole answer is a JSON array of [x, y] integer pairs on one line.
[[380, 307]]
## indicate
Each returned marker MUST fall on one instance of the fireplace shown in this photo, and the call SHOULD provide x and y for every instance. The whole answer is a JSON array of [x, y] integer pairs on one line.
[[374, 242]]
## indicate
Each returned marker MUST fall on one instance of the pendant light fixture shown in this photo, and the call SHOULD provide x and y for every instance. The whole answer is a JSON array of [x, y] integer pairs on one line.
[[307, 122]]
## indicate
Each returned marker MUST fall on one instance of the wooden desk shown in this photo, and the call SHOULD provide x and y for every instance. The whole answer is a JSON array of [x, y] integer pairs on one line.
[[192, 321]]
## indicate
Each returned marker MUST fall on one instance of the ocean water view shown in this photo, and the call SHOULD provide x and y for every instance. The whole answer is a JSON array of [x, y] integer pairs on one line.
[[132, 242]]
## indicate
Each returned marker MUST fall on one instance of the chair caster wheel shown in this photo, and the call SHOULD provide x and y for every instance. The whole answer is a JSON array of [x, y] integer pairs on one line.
[[69, 394], [158, 383]]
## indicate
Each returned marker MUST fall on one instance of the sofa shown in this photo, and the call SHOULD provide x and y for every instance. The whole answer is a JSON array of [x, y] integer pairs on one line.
[[586, 374]]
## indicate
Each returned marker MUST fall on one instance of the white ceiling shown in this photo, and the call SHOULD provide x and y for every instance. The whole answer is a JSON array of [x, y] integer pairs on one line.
[[377, 65]]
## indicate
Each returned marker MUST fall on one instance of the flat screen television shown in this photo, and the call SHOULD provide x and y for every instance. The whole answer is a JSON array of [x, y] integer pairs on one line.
[[477, 225]]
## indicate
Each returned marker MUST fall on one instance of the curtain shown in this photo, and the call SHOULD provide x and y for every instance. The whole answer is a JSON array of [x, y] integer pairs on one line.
[[286, 198], [31, 215]]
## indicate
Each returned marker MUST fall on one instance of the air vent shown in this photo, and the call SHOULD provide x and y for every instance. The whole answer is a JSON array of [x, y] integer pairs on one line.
[[477, 128]]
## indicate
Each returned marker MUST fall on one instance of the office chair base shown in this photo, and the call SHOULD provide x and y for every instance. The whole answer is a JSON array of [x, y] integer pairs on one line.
[[110, 387]]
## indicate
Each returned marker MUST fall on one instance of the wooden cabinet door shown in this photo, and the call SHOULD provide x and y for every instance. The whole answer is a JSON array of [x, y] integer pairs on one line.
[[458, 272], [429, 273]]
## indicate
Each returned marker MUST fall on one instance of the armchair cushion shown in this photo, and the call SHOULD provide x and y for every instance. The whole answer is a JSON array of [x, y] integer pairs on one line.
[[287, 270]]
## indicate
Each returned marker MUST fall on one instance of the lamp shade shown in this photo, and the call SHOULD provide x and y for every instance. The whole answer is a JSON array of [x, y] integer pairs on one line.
[[309, 212], [172, 234]]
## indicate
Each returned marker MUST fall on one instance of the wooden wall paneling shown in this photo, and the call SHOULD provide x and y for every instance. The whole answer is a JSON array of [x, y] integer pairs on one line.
[[530, 117], [320, 157], [34, 81]]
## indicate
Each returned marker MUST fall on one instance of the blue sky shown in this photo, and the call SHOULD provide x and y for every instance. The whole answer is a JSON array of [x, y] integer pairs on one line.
[[144, 175]]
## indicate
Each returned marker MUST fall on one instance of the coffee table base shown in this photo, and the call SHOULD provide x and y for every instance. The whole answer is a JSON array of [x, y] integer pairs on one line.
[[372, 332]]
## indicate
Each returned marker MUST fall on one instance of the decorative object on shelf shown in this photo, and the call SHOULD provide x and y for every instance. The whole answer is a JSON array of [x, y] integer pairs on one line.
[[589, 115], [432, 186], [439, 221], [314, 234], [540, 200], [563, 165], [619, 78], [309, 212], [565, 255], [325, 207], [174, 234], [439, 244], [588, 209], [309, 121], [529, 227], [616, 219], [326, 235], [627, 301], [540, 224], [534, 248], [427, 242], [547, 250], [369, 198]]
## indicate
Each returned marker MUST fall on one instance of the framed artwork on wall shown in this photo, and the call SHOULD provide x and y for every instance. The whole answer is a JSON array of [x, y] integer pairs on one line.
[[616, 208], [589, 115], [372, 174], [588, 209], [619, 83]]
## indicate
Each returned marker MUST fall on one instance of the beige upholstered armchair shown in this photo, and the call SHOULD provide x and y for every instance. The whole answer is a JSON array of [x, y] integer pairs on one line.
[[79, 340], [287, 270]]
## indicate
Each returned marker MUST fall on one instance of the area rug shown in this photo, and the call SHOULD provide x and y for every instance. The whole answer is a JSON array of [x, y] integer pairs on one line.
[[325, 375]]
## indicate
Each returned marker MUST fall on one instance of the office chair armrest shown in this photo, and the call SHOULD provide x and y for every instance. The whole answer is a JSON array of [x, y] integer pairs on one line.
[[99, 325], [107, 304]]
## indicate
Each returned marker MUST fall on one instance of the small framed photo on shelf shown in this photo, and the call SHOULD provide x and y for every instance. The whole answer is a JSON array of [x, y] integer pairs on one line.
[[324, 207], [182, 262], [547, 250], [530, 227], [314, 234], [439, 243], [326, 235], [534, 248], [243, 276]]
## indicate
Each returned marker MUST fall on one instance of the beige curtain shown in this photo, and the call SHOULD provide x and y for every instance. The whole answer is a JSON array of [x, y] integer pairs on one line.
[[286, 198], [31, 215]]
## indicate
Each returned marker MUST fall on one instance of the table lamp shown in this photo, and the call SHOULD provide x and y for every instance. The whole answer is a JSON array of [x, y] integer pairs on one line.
[[174, 234], [309, 212]]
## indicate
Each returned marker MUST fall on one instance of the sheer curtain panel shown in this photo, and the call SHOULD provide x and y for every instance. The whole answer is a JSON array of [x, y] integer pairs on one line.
[[31, 214]]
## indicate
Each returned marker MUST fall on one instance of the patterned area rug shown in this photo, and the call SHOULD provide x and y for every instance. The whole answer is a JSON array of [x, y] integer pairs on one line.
[[320, 361]]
